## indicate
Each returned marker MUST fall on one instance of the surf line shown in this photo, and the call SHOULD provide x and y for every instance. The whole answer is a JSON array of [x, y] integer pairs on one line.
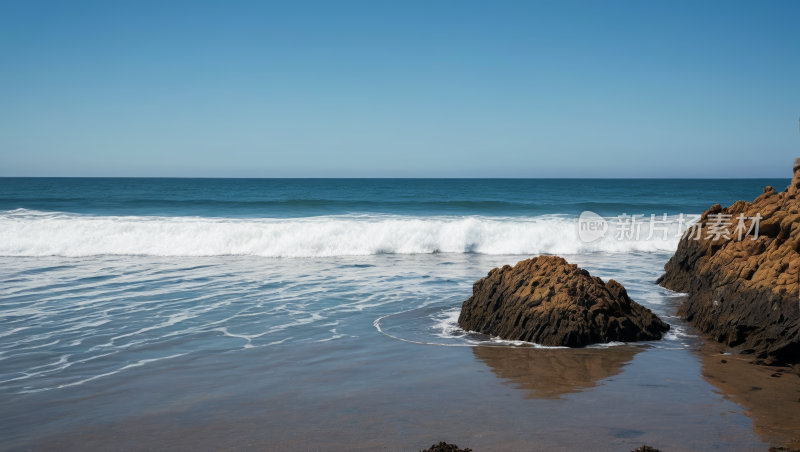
[[377, 325], [523, 344]]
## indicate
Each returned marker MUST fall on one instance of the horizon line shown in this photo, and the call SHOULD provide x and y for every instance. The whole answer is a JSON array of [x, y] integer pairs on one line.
[[397, 178]]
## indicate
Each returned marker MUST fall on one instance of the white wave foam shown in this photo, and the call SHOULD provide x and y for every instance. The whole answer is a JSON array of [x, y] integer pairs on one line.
[[447, 323], [446, 327], [606, 344], [678, 333], [32, 233], [141, 362]]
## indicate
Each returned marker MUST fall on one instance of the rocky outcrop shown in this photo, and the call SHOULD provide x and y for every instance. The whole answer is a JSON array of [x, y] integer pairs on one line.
[[742, 289], [548, 301], [645, 448], [444, 447]]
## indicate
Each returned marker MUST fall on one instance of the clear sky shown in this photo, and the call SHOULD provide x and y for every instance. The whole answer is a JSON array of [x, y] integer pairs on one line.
[[399, 89]]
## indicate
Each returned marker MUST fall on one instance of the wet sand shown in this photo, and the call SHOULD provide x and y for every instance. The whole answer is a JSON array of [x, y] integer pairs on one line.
[[770, 394], [403, 397], [552, 373]]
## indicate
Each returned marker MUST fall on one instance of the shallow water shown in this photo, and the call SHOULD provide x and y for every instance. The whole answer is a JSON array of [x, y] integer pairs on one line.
[[290, 353]]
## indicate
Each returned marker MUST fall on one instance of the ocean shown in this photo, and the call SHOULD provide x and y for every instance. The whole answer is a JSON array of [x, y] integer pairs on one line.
[[320, 314]]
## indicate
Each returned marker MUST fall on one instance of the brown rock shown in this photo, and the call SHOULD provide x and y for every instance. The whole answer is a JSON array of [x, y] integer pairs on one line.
[[444, 447], [645, 448], [550, 302], [745, 293]]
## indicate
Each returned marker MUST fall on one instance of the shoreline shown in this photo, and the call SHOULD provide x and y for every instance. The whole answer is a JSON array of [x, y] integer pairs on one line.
[[769, 394]]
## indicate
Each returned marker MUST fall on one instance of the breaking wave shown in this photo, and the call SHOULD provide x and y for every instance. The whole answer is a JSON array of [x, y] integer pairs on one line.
[[34, 233]]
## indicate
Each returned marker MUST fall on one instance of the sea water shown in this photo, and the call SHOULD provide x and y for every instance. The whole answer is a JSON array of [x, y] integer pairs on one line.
[[320, 314]]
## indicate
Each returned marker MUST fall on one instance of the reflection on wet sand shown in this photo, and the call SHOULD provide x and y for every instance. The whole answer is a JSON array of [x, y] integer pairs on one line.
[[770, 395], [550, 373]]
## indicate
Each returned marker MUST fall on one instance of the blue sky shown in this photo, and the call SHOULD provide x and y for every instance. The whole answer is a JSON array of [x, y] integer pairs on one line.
[[399, 89]]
